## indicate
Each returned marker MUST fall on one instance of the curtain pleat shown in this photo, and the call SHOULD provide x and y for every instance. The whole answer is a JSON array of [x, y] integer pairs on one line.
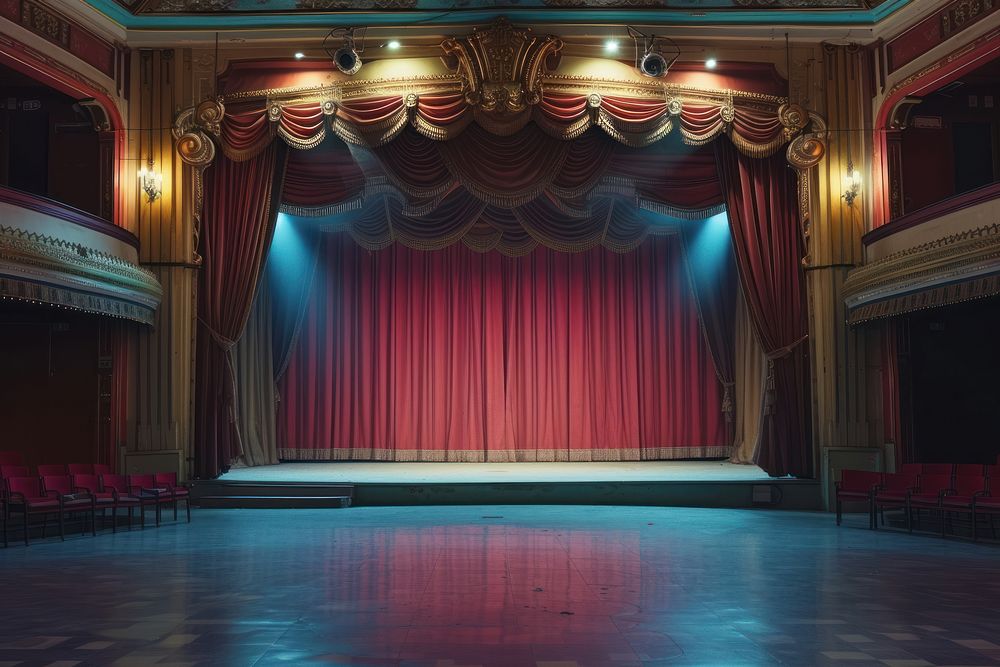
[[241, 204], [750, 376], [255, 392], [455, 355], [763, 218]]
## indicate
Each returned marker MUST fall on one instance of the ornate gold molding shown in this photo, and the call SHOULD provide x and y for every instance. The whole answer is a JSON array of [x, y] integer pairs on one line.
[[195, 131], [926, 275], [36, 267], [501, 67], [805, 151]]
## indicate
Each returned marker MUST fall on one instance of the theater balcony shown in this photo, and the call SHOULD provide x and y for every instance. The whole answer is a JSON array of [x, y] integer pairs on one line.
[[58, 244], [61, 256], [942, 243]]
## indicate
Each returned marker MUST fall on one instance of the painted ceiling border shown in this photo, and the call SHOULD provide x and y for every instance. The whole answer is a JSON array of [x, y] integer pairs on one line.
[[707, 17]]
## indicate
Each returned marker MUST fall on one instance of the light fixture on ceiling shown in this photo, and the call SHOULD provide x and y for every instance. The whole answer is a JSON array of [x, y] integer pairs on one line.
[[342, 47], [852, 183], [611, 46], [711, 63], [151, 182], [651, 61], [393, 44], [299, 55]]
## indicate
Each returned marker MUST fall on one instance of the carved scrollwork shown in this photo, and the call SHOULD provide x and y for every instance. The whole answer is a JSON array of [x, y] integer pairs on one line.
[[675, 106], [329, 107], [195, 131], [411, 100], [501, 67], [728, 112], [793, 117], [804, 152], [807, 149]]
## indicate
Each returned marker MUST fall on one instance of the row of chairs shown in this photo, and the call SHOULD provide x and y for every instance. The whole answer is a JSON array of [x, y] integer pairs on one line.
[[83, 489], [944, 489]]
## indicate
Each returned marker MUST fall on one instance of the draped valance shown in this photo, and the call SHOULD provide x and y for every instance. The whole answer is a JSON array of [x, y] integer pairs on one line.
[[249, 126]]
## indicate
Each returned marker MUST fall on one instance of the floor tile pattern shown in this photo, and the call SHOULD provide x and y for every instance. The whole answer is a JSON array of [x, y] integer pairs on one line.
[[502, 586]]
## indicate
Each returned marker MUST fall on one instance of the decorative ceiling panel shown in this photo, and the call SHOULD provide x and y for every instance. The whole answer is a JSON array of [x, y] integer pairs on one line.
[[282, 6], [270, 14]]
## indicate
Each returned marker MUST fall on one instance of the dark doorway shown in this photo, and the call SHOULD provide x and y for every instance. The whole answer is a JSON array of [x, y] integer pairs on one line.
[[954, 366], [973, 144]]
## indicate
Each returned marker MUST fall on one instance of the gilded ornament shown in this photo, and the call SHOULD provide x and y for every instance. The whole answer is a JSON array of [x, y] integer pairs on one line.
[[594, 100], [411, 100]]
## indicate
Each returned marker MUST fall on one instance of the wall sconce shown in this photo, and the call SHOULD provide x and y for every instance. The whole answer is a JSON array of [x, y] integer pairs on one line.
[[151, 182], [852, 183]]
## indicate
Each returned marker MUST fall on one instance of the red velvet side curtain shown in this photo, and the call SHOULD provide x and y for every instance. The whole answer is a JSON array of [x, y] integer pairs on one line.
[[455, 355], [241, 202], [763, 219]]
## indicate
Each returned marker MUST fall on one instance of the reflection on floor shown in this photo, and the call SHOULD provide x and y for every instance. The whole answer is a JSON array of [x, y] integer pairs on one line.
[[357, 472], [505, 586]]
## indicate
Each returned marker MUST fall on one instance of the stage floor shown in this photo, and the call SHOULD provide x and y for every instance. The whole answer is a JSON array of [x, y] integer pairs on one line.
[[455, 473]]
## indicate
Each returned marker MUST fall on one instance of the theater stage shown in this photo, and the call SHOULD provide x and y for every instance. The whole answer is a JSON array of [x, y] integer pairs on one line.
[[678, 483]]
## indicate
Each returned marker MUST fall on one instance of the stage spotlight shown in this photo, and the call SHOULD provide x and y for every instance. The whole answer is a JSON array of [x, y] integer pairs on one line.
[[650, 60], [394, 44], [611, 46], [653, 64], [299, 55], [340, 44], [711, 63]]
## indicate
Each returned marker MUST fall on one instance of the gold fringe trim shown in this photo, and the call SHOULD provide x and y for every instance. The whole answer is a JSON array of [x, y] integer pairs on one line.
[[562, 131], [504, 455], [751, 149], [441, 132], [634, 139], [682, 213], [324, 211], [302, 144]]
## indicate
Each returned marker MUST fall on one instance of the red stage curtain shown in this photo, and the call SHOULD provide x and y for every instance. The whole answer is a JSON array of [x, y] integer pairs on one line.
[[241, 202], [714, 282], [763, 218], [455, 355]]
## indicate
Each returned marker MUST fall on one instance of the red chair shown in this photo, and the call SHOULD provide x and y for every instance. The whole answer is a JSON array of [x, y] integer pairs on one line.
[[146, 489], [857, 486], [969, 469], [118, 485], [102, 469], [168, 481], [52, 470], [106, 499], [12, 458], [80, 468], [72, 500], [966, 489], [25, 495], [937, 469], [12, 470], [893, 492], [930, 490]]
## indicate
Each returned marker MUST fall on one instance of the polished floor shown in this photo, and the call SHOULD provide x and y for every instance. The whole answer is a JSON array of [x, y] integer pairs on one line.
[[502, 586], [449, 473]]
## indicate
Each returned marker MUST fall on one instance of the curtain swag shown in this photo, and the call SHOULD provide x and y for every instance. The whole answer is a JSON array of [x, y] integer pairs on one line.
[[756, 130]]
